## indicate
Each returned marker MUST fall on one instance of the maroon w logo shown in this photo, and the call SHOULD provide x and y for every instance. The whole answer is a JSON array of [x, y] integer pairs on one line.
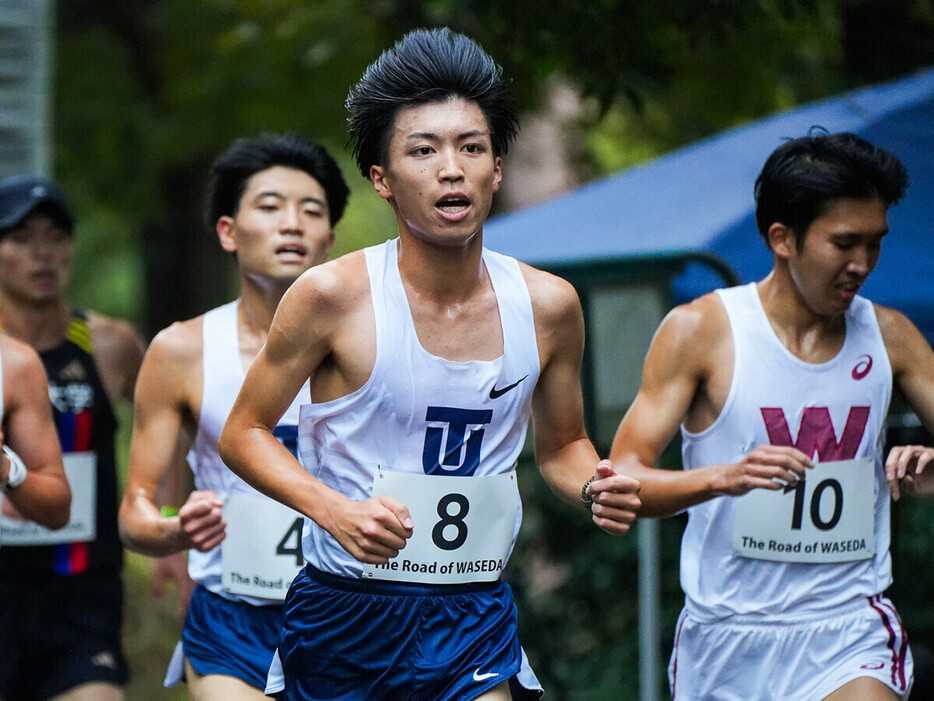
[[816, 435]]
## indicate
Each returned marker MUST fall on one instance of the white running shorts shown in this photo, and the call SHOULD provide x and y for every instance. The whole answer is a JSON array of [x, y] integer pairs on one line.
[[798, 660]]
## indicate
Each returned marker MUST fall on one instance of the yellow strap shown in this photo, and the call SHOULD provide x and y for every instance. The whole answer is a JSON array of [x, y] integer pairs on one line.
[[79, 334]]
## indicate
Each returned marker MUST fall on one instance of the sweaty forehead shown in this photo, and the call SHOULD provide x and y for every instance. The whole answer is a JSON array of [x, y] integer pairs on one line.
[[454, 117], [283, 181], [857, 216]]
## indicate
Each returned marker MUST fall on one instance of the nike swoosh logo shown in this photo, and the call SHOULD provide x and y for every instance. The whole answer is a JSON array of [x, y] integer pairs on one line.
[[477, 677], [497, 393]]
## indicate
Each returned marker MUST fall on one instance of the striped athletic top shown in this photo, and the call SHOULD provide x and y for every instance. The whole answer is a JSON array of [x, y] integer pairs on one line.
[[86, 422]]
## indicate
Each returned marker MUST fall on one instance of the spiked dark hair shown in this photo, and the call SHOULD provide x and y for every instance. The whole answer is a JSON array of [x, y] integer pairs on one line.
[[804, 176], [427, 65], [246, 157]]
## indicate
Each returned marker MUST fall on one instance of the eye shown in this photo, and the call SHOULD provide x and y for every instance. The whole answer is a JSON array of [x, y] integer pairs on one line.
[[845, 243], [473, 148]]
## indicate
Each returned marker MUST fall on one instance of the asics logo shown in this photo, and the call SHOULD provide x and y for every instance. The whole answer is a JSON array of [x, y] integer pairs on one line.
[[863, 367], [477, 677], [496, 393]]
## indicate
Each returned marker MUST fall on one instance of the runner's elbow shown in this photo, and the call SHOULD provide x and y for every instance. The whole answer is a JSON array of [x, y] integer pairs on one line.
[[58, 513], [58, 519]]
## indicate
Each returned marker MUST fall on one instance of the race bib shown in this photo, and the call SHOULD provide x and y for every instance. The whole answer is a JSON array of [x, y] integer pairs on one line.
[[464, 527], [262, 550], [81, 471], [827, 517]]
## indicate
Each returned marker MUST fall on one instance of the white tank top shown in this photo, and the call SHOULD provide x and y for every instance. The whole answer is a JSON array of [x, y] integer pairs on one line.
[[223, 378], [831, 411], [417, 412]]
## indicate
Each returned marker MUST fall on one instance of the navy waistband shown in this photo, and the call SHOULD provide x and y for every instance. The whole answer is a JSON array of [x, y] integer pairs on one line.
[[369, 585]]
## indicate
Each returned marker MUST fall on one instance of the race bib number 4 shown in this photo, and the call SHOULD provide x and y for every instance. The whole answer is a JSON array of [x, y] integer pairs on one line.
[[464, 527], [827, 517], [81, 471], [262, 550]]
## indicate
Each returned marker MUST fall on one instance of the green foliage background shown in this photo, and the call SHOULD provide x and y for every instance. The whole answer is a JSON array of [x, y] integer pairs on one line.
[[146, 92]]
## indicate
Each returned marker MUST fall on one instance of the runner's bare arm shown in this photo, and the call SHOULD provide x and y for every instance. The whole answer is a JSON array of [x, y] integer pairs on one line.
[[29, 430], [675, 381], [565, 455], [908, 467], [164, 425], [310, 316]]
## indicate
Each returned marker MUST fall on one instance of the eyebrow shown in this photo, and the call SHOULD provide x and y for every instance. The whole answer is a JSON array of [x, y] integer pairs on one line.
[[280, 196], [431, 136], [859, 235]]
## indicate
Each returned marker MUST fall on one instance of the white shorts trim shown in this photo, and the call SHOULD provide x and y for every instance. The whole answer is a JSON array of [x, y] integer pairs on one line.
[[176, 670], [275, 679]]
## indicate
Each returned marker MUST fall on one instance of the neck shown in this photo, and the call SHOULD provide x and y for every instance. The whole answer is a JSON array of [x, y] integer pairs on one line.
[[255, 310], [804, 332], [258, 302], [446, 275], [42, 325]]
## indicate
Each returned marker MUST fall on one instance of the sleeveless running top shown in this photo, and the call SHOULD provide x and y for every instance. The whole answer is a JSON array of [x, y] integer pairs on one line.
[[417, 412], [86, 423], [830, 411], [223, 378]]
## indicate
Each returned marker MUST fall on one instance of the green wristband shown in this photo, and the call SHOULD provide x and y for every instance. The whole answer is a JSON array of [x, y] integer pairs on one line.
[[168, 511]]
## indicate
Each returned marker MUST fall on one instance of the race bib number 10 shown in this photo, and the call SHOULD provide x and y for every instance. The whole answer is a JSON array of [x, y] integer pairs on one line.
[[827, 517], [464, 527]]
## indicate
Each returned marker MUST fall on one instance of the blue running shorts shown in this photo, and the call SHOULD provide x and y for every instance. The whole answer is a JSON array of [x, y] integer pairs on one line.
[[362, 640], [230, 637]]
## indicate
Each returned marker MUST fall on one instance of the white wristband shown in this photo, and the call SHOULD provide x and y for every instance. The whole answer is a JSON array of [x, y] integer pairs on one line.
[[17, 472]]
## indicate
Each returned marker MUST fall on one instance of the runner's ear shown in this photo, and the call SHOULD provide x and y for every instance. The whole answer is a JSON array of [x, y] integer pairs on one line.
[[225, 234], [782, 241]]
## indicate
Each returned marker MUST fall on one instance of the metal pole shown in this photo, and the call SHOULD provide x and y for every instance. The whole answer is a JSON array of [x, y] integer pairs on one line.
[[26, 45], [649, 608], [42, 86]]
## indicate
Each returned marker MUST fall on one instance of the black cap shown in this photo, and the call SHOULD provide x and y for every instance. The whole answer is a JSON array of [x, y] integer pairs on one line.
[[21, 194]]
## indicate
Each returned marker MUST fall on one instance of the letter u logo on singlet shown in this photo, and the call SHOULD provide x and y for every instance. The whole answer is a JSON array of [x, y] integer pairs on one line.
[[287, 435], [453, 449], [816, 435]]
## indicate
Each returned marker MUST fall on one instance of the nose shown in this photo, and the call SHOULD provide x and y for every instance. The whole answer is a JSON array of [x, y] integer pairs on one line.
[[291, 221], [42, 246], [451, 170], [862, 262]]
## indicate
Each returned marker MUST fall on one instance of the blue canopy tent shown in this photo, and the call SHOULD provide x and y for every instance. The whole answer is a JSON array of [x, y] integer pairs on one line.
[[699, 200], [683, 224]]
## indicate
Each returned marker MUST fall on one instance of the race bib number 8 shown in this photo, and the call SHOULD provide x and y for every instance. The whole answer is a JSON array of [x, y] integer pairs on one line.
[[262, 551], [464, 527], [827, 517]]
